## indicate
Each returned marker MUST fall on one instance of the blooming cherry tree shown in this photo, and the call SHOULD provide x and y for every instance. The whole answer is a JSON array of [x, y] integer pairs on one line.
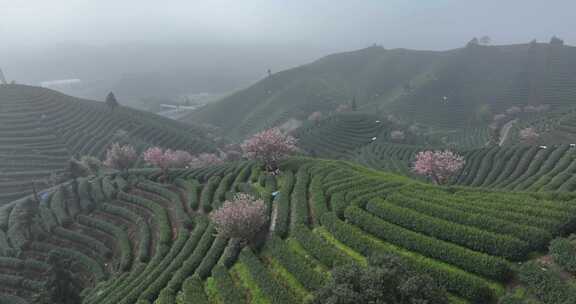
[[438, 165], [241, 218], [499, 117], [120, 157], [397, 135], [166, 159], [343, 108], [269, 147], [513, 110], [315, 117], [204, 160]]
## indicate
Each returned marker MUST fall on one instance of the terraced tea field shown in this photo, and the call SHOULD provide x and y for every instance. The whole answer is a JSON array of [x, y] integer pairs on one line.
[[40, 130], [131, 239], [338, 135], [521, 168]]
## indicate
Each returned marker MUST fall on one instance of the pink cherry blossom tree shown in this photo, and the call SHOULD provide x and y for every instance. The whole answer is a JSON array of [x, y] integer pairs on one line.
[[231, 152], [397, 135], [120, 157], [166, 159], [513, 110], [269, 146], [438, 165], [241, 218], [529, 135], [343, 108], [499, 117], [537, 109], [205, 159], [315, 117]]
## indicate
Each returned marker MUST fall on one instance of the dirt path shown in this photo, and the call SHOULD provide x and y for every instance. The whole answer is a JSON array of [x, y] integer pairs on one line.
[[274, 216], [505, 131]]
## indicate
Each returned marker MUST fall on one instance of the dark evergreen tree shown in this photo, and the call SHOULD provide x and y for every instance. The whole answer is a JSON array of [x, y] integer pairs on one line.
[[472, 43], [111, 101], [556, 41], [77, 169], [61, 287]]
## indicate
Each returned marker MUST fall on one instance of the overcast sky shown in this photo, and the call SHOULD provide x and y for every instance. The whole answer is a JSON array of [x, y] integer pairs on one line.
[[338, 24]]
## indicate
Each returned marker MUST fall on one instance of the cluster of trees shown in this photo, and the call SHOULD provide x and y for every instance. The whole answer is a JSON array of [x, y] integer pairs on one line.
[[386, 280], [268, 147], [498, 120]]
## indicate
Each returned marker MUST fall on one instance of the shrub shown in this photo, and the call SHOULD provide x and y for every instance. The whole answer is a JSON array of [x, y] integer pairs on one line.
[[563, 252], [93, 164], [297, 266], [227, 290], [454, 279], [318, 248], [240, 218], [546, 284], [193, 291], [277, 293], [282, 202]]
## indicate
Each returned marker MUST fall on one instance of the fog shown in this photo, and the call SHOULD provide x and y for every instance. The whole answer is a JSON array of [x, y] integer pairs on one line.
[[221, 45]]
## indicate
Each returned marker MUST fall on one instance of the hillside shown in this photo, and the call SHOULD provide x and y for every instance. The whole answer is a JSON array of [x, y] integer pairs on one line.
[[444, 90], [40, 130], [133, 239]]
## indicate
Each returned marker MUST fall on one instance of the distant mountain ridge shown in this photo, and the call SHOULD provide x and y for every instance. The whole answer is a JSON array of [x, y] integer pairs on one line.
[[460, 88]]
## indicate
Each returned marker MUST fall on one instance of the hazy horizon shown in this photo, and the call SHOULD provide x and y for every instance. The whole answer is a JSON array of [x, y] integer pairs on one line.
[[443, 24], [238, 41]]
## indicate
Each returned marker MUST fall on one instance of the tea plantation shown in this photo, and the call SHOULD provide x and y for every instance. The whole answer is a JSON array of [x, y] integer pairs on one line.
[[133, 239], [40, 130]]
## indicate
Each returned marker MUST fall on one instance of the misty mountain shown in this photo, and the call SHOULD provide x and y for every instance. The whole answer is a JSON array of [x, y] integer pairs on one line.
[[460, 88]]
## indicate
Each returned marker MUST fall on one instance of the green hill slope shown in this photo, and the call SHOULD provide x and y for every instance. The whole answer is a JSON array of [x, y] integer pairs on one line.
[[40, 130], [447, 90], [132, 239], [521, 168]]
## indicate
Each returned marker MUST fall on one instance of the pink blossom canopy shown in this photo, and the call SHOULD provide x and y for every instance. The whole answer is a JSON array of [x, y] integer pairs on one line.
[[438, 165], [316, 116], [269, 146], [397, 135], [242, 217], [513, 110], [204, 160], [166, 159], [529, 134], [499, 117]]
